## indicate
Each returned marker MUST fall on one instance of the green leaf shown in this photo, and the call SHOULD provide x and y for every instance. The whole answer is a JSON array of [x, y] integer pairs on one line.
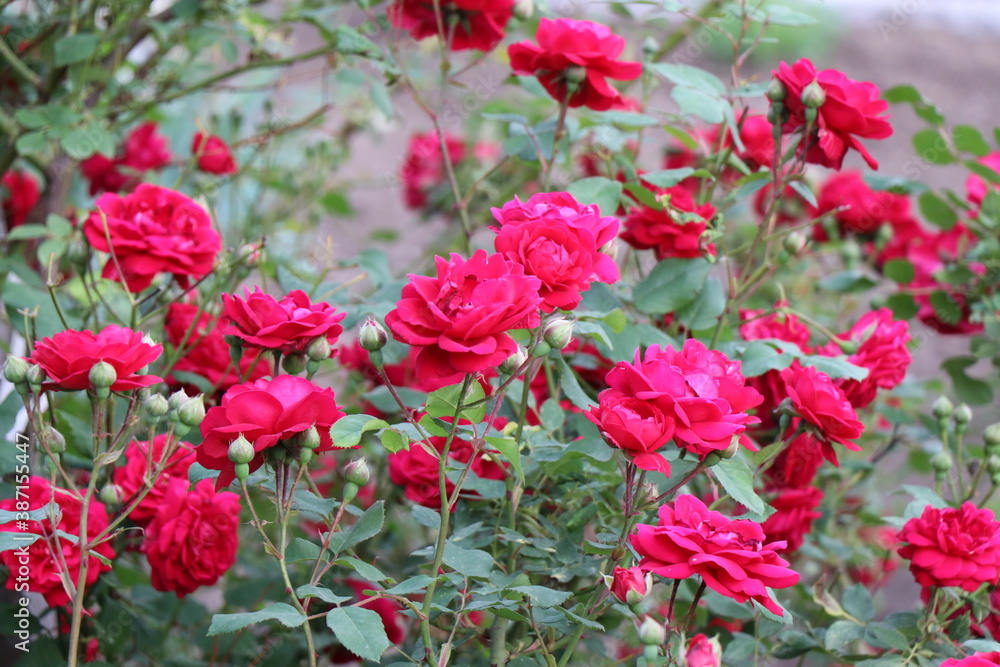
[[360, 630], [368, 525], [551, 415], [324, 594], [300, 549], [666, 178], [468, 562], [937, 210], [541, 596], [847, 282], [900, 270], [694, 102], [672, 283], [365, 570], [902, 94], [687, 75], [411, 585], [931, 147], [835, 367], [444, 402], [75, 48], [347, 431], [841, 633], [426, 517], [509, 448], [759, 357], [285, 614], [349, 40], [570, 386], [394, 441], [925, 495], [604, 192], [737, 479], [25, 232], [31, 142], [968, 389], [883, 635], [14, 540], [969, 140], [982, 645], [857, 602], [902, 305], [704, 311]]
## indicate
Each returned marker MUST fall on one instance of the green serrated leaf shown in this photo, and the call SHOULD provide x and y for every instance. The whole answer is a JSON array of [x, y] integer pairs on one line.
[[347, 431], [368, 525], [510, 450], [285, 614], [360, 630]]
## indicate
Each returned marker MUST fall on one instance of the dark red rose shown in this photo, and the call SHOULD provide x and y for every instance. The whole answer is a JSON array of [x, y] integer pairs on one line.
[[732, 556], [172, 461], [794, 515], [852, 110], [758, 142], [214, 156], [424, 169], [289, 325], [953, 547], [192, 541], [573, 60], [388, 610], [104, 175], [678, 230], [52, 557], [559, 241], [416, 470], [153, 230], [796, 466], [478, 24], [145, 149], [823, 407], [21, 195], [461, 317], [859, 209], [265, 412], [68, 357]]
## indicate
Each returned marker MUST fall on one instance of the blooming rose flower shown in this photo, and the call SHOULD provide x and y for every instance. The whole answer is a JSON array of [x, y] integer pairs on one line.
[[977, 660], [758, 142], [423, 169], [823, 406], [388, 610], [460, 318], [52, 557], [703, 652], [416, 470], [755, 325], [104, 176], [22, 194], [629, 585], [289, 325], [859, 209], [192, 540], [214, 156], [676, 231], [265, 412], [68, 357], [132, 476], [953, 547], [975, 186], [881, 349], [559, 241], [145, 148], [795, 511], [478, 24], [573, 60], [732, 556], [153, 230], [852, 109], [796, 465], [206, 352]]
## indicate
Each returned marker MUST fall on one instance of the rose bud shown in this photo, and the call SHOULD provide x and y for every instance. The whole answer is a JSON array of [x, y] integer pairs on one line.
[[250, 253], [991, 437], [558, 333], [776, 92], [308, 439], [993, 464], [54, 440], [941, 462], [192, 411], [241, 452], [523, 9], [15, 370], [575, 75], [102, 375], [356, 472], [813, 95], [154, 407], [294, 363], [704, 652], [177, 399], [36, 376], [943, 408], [319, 349], [111, 495], [963, 415], [795, 243], [513, 362], [651, 632], [629, 585], [373, 336]]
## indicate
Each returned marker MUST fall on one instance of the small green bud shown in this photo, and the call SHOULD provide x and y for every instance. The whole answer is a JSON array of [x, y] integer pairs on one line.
[[846, 345], [35, 377], [731, 451], [795, 243], [576, 75], [54, 440], [308, 439], [102, 376], [319, 349], [523, 9], [111, 495], [192, 411], [850, 253], [372, 336], [652, 632], [356, 472], [306, 456], [241, 450], [177, 399], [963, 414], [943, 408], [15, 370], [993, 464], [558, 333], [154, 407], [294, 363], [813, 95], [250, 253], [650, 47], [941, 462], [541, 350], [711, 459], [991, 436], [776, 92], [513, 362]]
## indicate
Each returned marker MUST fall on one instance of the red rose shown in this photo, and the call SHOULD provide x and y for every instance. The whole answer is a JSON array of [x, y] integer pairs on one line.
[[213, 154], [852, 109], [104, 176], [703, 652], [796, 466], [795, 511], [953, 547], [388, 610], [192, 541], [558, 241], [460, 318], [22, 195], [52, 557], [467, 24], [423, 169], [977, 660], [206, 352], [975, 187], [153, 230], [676, 231], [755, 325], [758, 142], [630, 585], [881, 349], [791, 208], [416, 470], [731, 555], [859, 209], [822, 406], [145, 149], [637, 427], [132, 476], [265, 412], [573, 60], [872, 574], [68, 357], [289, 325]]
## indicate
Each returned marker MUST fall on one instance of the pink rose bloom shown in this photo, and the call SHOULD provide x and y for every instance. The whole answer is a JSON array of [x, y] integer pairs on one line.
[[68, 357], [571, 51], [975, 186], [104, 176], [460, 318], [629, 585], [131, 476], [977, 660], [852, 110], [953, 547], [823, 407], [732, 556], [754, 325], [289, 325], [558, 241], [703, 652], [478, 24], [674, 231], [151, 231]]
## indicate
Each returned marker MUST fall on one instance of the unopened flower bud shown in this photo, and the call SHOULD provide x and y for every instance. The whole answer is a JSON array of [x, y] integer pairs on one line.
[[306, 456], [35, 377], [513, 362], [102, 375], [991, 437], [652, 632], [250, 253], [629, 585], [795, 243], [731, 451], [813, 95], [943, 408], [650, 47], [319, 349], [576, 75], [177, 399], [15, 370], [776, 92], [846, 345], [192, 411], [54, 440], [542, 349], [154, 407], [558, 333], [850, 253], [711, 459], [356, 472], [294, 363], [372, 336], [241, 450], [111, 495], [309, 438], [941, 462], [523, 9], [962, 415], [993, 464]]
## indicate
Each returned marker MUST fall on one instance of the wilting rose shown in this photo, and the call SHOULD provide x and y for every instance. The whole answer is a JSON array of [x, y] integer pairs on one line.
[[68, 357], [289, 325], [22, 194], [953, 547], [141, 461], [214, 156], [573, 61], [678, 230], [193, 538], [852, 110], [732, 556], [467, 24]]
